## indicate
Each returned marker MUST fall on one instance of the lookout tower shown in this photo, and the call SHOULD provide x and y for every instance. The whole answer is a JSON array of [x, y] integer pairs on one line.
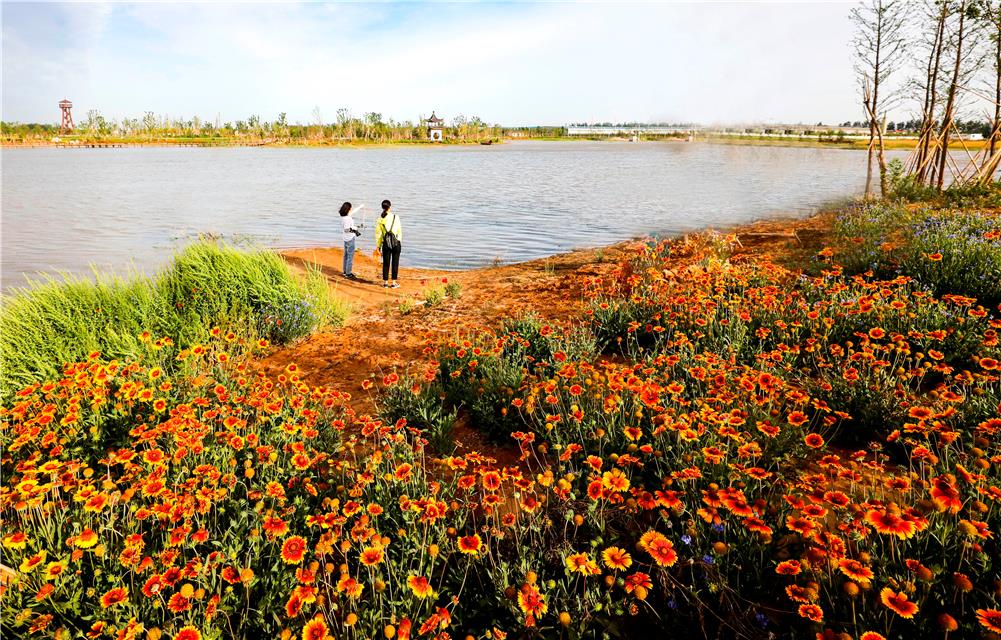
[[436, 128], [67, 124]]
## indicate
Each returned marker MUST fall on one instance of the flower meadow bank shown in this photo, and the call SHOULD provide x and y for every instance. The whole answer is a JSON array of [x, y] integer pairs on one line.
[[722, 442]]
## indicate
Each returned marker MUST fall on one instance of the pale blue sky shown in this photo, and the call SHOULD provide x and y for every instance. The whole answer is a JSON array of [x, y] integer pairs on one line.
[[508, 63]]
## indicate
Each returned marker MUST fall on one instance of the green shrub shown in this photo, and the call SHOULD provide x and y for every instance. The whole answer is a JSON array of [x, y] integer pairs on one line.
[[433, 296], [531, 340], [453, 290], [484, 383], [423, 407]]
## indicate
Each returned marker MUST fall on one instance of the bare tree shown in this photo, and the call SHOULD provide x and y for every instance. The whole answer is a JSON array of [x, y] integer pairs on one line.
[[948, 115], [937, 14], [879, 46], [992, 156]]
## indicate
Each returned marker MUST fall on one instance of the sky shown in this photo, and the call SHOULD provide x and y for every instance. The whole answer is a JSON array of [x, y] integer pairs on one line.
[[513, 64]]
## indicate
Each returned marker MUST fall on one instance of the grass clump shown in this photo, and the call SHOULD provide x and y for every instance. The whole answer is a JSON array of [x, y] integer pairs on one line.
[[65, 318]]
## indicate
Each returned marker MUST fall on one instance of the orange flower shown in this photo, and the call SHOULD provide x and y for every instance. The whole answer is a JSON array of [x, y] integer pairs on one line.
[[293, 550], [54, 569], [582, 563], [349, 586], [811, 612], [531, 602], [31, 562], [274, 527], [153, 586], [315, 629], [989, 619], [814, 440], [797, 418], [188, 633], [118, 595], [935, 257], [662, 552], [616, 559], [636, 580], [615, 480], [470, 544], [889, 524], [403, 471], [371, 556], [962, 582], [872, 635], [898, 603], [293, 605], [945, 495], [96, 503], [788, 568], [86, 539], [178, 603], [420, 586], [855, 570]]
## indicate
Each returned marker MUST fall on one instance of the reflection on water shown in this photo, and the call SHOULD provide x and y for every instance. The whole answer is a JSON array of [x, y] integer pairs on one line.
[[461, 206]]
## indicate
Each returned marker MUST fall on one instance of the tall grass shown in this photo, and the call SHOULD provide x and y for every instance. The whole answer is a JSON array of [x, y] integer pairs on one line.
[[63, 318]]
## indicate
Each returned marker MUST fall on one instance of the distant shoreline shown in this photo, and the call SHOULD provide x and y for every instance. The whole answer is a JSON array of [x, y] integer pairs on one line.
[[749, 140]]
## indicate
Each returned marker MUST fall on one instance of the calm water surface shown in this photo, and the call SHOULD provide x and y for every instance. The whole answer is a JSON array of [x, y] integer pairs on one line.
[[66, 209]]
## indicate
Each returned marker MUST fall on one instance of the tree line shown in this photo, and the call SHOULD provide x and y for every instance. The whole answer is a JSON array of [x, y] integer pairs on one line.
[[344, 126], [973, 125], [942, 60]]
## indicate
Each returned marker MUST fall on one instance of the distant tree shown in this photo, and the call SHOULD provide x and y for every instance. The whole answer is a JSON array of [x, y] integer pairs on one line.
[[149, 123], [95, 123]]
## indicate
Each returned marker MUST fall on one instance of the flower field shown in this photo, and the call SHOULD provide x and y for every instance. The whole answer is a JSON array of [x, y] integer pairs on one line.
[[718, 444]]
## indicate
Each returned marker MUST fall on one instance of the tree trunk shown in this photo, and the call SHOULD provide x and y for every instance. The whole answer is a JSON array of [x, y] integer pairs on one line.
[[931, 96], [943, 149], [881, 131], [996, 129], [868, 167]]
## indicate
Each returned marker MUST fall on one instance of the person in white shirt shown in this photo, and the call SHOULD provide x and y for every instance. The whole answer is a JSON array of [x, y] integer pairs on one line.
[[348, 233]]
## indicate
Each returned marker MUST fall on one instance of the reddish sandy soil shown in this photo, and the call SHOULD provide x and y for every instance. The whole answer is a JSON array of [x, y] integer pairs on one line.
[[379, 337]]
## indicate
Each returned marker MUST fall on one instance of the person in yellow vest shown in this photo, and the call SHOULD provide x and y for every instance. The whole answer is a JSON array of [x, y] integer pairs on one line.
[[389, 241]]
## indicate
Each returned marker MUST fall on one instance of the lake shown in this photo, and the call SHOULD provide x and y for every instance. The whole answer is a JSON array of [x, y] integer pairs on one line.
[[461, 206]]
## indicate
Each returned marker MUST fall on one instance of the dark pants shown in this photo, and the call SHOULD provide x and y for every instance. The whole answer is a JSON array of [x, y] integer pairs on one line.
[[391, 256]]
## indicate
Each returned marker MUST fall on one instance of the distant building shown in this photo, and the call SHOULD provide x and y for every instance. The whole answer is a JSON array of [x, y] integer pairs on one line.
[[436, 128], [624, 130]]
